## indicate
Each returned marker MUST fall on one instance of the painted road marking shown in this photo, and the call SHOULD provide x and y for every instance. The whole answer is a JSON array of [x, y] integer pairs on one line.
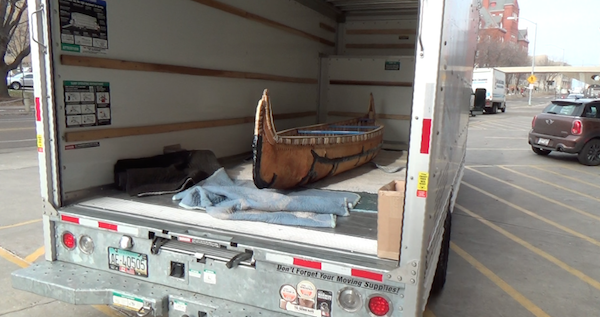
[[565, 176], [428, 313], [35, 255], [17, 129], [13, 258], [495, 149], [534, 215], [551, 184], [582, 276], [16, 141], [23, 264], [537, 195], [505, 126], [20, 224], [516, 295], [516, 165], [578, 170]]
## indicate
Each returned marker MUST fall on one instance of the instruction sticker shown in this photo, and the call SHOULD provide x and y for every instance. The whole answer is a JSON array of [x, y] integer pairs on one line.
[[82, 146], [40, 143], [127, 302], [423, 185], [180, 306], [210, 277], [87, 104], [83, 27], [392, 65], [195, 273]]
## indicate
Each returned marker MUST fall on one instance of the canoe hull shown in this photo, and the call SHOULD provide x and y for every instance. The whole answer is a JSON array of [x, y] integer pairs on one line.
[[286, 160]]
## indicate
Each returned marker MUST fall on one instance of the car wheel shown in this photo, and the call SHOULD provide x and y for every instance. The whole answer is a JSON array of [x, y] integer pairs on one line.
[[15, 86], [539, 151], [590, 154]]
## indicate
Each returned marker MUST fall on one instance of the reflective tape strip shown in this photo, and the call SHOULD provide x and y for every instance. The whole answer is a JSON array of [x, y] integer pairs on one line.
[[426, 136], [321, 266], [336, 269], [100, 224]]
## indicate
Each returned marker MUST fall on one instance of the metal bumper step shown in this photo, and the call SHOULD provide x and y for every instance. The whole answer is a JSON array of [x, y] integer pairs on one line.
[[78, 285]]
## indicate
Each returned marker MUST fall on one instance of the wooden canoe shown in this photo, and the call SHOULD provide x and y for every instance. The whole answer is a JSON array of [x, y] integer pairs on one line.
[[298, 156]]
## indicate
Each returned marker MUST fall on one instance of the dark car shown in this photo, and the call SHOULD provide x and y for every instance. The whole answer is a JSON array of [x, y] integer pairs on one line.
[[570, 126]]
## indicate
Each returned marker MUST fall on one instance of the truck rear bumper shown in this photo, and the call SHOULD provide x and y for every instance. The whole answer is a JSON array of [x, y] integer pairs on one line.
[[78, 285]]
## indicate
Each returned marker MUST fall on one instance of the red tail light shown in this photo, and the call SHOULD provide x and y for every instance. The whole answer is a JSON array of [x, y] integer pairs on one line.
[[379, 306], [69, 240], [533, 122], [577, 127]]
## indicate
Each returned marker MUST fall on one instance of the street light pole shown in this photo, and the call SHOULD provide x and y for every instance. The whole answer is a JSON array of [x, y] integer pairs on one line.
[[533, 57], [533, 61]]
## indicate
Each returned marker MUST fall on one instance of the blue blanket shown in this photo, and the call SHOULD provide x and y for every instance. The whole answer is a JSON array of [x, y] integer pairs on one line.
[[223, 198]]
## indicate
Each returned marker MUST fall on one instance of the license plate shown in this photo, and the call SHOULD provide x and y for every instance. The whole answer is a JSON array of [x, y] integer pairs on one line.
[[543, 141], [128, 262]]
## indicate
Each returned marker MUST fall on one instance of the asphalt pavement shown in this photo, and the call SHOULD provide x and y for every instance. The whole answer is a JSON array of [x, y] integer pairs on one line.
[[16, 130], [524, 238]]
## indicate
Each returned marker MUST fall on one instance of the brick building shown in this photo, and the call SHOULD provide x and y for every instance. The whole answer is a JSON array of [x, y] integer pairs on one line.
[[494, 22]]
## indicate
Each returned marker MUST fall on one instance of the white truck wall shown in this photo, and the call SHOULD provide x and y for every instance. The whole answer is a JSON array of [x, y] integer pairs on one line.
[[392, 102], [186, 33], [439, 126], [378, 37]]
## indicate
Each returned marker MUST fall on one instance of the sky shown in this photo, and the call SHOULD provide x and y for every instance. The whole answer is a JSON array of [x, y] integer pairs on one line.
[[569, 25]]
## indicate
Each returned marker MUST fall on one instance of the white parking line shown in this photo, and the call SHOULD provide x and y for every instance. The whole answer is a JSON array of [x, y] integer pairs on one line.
[[17, 141]]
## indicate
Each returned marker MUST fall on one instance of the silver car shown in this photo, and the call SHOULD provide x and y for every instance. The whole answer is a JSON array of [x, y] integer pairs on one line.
[[20, 80]]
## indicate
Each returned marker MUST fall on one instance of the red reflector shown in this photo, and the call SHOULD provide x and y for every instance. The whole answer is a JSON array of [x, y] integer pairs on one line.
[[108, 226], [38, 109], [309, 264], [68, 240], [379, 306], [367, 274], [577, 127], [533, 122], [69, 219], [426, 136]]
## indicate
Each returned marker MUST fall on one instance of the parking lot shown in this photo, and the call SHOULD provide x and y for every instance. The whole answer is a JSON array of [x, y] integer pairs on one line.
[[525, 238]]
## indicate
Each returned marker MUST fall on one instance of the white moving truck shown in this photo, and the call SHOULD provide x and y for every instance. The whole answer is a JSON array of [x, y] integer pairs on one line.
[[161, 75], [494, 82]]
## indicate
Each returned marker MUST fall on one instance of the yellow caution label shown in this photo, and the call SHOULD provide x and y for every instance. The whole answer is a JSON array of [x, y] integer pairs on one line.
[[423, 181], [40, 141]]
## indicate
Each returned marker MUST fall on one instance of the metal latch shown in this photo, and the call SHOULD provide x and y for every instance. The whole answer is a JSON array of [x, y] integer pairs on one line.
[[145, 310], [231, 258]]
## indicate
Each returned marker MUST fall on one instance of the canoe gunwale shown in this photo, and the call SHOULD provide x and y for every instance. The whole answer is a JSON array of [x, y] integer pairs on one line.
[[265, 125]]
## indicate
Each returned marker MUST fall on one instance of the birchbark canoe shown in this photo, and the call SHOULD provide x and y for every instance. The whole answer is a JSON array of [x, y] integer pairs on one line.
[[298, 156]]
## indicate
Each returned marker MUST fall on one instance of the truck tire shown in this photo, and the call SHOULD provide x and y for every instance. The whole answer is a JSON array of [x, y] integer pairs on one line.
[[504, 108], [495, 108], [442, 266]]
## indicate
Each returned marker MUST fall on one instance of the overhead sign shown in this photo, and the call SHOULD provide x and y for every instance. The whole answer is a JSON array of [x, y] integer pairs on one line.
[[532, 79]]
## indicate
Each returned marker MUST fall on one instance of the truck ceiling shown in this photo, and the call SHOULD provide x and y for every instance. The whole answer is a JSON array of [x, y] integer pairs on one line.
[[339, 9]]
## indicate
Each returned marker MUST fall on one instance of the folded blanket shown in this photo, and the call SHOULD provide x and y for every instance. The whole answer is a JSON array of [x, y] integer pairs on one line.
[[164, 174], [223, 198]]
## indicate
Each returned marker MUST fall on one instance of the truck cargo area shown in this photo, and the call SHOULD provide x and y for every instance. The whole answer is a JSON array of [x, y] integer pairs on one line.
[[198, 90], [354, 233]]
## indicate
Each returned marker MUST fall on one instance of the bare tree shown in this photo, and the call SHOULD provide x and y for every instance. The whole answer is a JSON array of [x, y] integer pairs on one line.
[[492, 52], [495, 53], [14, 37]]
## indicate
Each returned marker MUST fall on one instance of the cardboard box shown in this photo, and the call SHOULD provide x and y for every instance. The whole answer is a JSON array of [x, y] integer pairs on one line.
[[390, 210]]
